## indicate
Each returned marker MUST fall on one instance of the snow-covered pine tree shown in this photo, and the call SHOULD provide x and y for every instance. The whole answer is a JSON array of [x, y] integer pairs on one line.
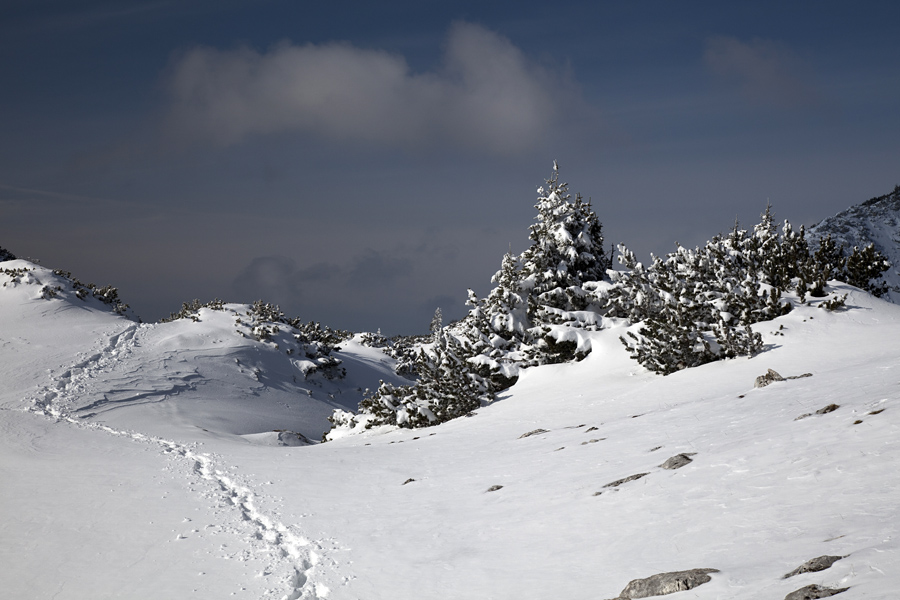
[[864, 268], [566, 251], [505, 310], [827, 263], [437, 323]]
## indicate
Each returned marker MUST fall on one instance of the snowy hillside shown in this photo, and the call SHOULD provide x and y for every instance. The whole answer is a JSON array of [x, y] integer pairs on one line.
[[141, 461], [875, 221]]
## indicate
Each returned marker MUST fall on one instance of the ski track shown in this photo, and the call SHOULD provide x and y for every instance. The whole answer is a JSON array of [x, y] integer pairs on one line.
[[291, 557]]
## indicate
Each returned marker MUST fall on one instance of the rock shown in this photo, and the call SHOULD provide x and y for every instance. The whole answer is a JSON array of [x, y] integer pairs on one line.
[[812, 592], [619, 482], [770, 377], [410, 480], [678, 461], [592, 441], [666, 583], [822, 411], [494, 488], [533, 432], [820, 563]]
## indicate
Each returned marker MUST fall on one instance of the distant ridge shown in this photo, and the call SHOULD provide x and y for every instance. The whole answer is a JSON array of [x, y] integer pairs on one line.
[[875, 221]]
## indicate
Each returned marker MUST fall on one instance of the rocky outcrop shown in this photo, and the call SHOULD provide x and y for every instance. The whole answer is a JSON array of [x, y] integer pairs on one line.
[[678, 461], [666, 583], [533, 432], [813, 592], [822, 411], [813, 565], [619, 482], [772, 376]]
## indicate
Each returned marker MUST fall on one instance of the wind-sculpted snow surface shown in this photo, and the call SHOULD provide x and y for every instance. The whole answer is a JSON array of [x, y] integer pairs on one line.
[[140, 461]]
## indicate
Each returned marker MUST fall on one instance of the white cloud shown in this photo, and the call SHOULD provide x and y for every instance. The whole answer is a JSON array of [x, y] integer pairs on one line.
[[768, 72], [486, 94]]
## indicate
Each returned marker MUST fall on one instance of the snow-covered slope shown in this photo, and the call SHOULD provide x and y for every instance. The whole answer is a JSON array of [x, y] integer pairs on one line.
[[132, 468], [875, 221]]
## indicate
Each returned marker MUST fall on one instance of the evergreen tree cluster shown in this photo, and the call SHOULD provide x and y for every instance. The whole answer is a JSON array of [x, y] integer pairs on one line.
[[526, 320], [696, 306], [691, 307], [446, 388]]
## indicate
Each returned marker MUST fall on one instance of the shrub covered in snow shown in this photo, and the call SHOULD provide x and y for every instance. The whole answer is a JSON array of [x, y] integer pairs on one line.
[[190, 310], [106, 294]]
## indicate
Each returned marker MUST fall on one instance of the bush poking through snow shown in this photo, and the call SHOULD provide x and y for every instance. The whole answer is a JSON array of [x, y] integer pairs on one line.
[[190, 310], [106, 294]]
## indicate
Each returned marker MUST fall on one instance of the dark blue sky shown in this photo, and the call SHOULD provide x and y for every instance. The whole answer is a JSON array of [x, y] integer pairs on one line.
[[363, 163]]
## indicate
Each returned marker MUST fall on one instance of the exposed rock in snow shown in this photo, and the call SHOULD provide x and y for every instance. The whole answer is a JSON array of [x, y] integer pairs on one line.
[[533, 432], [770, 377], [592, 441], [666, 583], [619, 482], [813, 592], [678, 461], [822, 411], [820, 563]]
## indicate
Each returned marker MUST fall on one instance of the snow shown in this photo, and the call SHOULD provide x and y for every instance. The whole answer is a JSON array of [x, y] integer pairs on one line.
[[158, 461]]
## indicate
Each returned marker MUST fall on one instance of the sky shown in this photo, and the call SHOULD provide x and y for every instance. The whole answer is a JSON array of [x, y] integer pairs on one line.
[[361, 164]]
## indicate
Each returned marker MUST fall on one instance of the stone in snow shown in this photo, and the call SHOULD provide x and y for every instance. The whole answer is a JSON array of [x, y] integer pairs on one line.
[[813, 592], [820, 563], [666, 583]]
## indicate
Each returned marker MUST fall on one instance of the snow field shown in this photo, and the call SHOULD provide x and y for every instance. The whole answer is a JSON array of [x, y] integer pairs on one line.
[[135, 464]]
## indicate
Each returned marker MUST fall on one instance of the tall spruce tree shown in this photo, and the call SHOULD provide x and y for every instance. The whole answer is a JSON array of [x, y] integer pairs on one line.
[[566, 250]]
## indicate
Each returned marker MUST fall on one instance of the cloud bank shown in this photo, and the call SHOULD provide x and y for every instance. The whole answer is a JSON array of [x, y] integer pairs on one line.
[[485, 95]]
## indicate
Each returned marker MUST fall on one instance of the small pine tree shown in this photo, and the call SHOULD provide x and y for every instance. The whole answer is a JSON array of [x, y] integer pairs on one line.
[[437, 323], [864, 267]]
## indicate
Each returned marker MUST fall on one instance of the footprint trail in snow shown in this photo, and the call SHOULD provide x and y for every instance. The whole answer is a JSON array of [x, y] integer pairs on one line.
[[289, 557]]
